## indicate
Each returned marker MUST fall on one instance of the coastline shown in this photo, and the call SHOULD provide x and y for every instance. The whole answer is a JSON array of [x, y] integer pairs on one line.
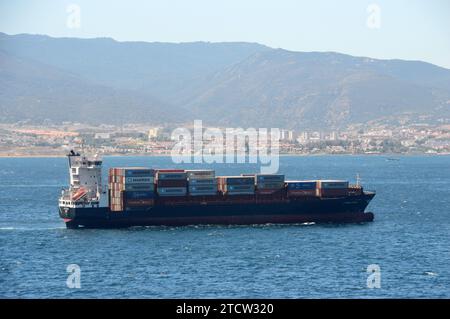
[[281, 155]]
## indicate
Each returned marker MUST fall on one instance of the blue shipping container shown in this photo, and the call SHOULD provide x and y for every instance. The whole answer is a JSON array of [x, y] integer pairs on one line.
[[140, 187], [139, 195], [301, 185], [140, 180], [206, 181], [240, 193], [270, 185], [241, 180], [240, 187], [144, 172], [175, 191], [203, 188], [171, 175], [269, 178]]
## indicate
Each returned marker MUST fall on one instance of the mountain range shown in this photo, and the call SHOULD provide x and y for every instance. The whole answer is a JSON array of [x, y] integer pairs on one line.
[[226, 84]]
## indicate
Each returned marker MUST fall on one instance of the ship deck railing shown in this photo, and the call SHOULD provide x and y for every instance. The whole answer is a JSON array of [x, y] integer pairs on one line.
[[67, 195]]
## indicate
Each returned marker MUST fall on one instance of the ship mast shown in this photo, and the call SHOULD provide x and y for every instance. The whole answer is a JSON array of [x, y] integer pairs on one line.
[[358, 180]]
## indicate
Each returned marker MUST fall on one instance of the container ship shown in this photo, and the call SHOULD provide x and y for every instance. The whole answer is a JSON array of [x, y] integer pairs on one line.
[[142, 196]]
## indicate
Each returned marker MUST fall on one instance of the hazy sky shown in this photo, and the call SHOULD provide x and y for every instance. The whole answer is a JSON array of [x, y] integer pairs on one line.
[[412, 30]]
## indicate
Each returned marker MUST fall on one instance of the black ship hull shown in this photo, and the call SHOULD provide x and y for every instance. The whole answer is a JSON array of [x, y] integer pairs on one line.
[[349, 209]]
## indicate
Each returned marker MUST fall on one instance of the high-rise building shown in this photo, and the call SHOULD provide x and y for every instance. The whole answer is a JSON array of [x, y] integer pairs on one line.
[[153, 132], [290, 135]]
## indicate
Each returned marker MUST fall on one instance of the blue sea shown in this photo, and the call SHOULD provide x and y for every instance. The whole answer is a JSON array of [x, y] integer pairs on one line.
[[409, 240]]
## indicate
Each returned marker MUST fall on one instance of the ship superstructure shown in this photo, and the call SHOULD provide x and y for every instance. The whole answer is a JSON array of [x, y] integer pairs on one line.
[[85, 186]]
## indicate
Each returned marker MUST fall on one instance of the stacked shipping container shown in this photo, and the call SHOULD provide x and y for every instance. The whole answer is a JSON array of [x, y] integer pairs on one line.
[[131, 188], [171, 182], [236, 185], [321, 188], [201, 182], [269, 183], [134, 188], [301, 188], [332, 188]]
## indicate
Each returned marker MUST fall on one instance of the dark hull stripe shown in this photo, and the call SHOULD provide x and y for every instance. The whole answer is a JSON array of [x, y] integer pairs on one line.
[[339, 210], [225, 220]]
